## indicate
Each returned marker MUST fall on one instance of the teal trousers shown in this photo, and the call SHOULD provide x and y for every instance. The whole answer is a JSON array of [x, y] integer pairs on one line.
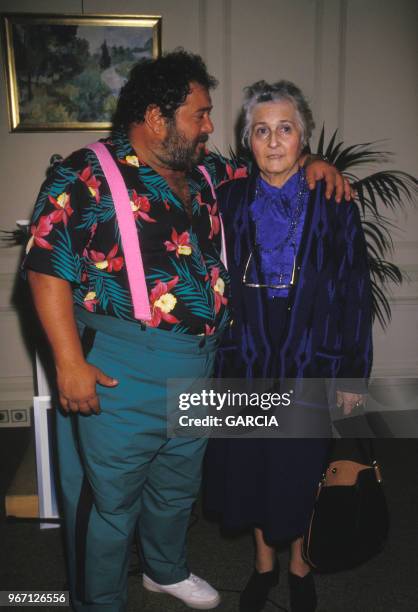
[[121, 477]]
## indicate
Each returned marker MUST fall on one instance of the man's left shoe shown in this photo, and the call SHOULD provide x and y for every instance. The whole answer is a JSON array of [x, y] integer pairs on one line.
[[194, 592]]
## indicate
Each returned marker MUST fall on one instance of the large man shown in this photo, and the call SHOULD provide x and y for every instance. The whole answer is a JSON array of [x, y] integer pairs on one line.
[[118, 470]]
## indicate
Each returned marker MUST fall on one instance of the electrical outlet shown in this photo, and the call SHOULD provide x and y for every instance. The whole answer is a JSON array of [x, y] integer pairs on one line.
[[4, 417], [19, 415], [15, 416]]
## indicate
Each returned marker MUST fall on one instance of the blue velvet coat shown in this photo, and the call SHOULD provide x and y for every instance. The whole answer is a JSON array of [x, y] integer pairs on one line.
[[322, 330], [328, 331]]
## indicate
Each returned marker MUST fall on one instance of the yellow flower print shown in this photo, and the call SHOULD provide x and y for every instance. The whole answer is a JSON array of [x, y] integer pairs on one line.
[[90, 301], [91, 295], [62, 199], [219, 286], [132, 160], [184, 249], [166, 302]]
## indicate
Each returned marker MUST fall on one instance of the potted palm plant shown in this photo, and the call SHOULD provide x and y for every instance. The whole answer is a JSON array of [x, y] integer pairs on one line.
[[391, 189]]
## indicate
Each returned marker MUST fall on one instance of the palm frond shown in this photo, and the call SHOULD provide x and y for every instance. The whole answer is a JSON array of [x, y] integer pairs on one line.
[[380, 305], [385, 271], [320, 145], [358, 155], [393, 189], [17, 237], [379, 234]]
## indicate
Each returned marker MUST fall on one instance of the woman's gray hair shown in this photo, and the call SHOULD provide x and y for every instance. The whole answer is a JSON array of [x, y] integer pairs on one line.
[[261, 91]]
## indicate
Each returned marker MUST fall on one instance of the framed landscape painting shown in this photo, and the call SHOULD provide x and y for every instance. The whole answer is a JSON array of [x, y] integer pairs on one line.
[[64, 72]]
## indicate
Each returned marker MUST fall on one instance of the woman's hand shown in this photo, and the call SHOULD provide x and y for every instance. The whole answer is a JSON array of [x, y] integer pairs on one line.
[[349, 401], [318, 169]]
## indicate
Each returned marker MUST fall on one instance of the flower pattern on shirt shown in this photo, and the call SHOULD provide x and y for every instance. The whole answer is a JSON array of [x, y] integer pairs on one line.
[[75, 236], [63, 208], [39, 231], [163, 302], [179, 244], [92, 182], [107, 262], [141, 206]]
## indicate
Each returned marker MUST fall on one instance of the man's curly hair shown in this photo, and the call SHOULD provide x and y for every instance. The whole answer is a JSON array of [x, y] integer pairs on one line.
[[164, 82]]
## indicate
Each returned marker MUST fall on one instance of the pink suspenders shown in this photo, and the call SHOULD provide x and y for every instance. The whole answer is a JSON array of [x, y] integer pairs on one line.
[[223, 245], [129, 233]]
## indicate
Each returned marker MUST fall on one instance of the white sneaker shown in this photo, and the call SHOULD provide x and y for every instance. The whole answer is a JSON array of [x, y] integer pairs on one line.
[[194, 591]]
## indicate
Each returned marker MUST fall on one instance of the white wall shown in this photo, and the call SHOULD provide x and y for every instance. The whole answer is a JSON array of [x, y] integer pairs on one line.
[[355, 59]]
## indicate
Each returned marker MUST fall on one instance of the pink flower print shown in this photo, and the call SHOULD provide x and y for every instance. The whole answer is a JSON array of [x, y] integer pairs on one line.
[[215, 223], [218, 286], [237, 173], [91, 181], [63, 208], [38, 232], [199, 199], [179, 243], [90, 301], [92, 234], [163, 302], [241, 172], [110, 263], [140, 207]]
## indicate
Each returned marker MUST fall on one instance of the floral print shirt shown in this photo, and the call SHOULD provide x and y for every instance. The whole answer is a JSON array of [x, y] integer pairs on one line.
[[75, 236]]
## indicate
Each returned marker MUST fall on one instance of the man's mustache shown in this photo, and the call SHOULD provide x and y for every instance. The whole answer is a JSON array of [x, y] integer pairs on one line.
[[203, 138]]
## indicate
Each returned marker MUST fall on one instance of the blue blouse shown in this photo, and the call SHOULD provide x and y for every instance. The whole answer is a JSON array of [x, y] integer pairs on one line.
[[278, 214]]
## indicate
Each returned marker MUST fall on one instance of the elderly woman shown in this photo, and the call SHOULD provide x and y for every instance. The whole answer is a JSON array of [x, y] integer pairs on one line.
[[302, 309]]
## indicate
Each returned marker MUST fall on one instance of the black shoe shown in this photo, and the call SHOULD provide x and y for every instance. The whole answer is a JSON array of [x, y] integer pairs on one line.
[[254, 596], [302, 593]]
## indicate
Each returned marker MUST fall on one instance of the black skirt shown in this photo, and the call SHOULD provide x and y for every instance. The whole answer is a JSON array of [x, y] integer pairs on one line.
[[264, 482]]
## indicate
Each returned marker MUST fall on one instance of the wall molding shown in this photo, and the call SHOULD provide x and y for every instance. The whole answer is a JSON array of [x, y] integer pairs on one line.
[[407, 369], [404, 300], [406, 244], [318, 55], [203, 38], [16, 388], [227, 76], [342, 66]]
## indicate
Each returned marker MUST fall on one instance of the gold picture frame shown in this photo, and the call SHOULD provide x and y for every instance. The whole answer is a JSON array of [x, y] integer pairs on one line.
[[64, 72]]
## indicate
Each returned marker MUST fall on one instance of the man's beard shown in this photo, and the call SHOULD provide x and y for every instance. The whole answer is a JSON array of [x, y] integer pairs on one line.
[[178, 153]]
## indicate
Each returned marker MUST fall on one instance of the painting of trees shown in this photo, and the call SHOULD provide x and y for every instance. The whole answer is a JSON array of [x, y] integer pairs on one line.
[[67, 72]]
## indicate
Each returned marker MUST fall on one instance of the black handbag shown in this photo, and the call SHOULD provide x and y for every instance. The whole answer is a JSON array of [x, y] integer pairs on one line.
[[349, 522]]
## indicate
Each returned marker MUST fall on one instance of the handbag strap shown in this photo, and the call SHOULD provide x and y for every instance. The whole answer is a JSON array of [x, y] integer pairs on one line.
[[367, 448], [360, 450], [128, 231], [206, 174]]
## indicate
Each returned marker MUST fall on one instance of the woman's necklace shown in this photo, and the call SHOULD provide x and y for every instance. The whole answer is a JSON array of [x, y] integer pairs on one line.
[[290, 239], [293, 219]]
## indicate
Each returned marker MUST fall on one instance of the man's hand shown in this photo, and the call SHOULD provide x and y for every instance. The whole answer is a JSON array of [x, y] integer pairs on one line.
[[350, 401], [317, 169], [77, 388], [76, 379]]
